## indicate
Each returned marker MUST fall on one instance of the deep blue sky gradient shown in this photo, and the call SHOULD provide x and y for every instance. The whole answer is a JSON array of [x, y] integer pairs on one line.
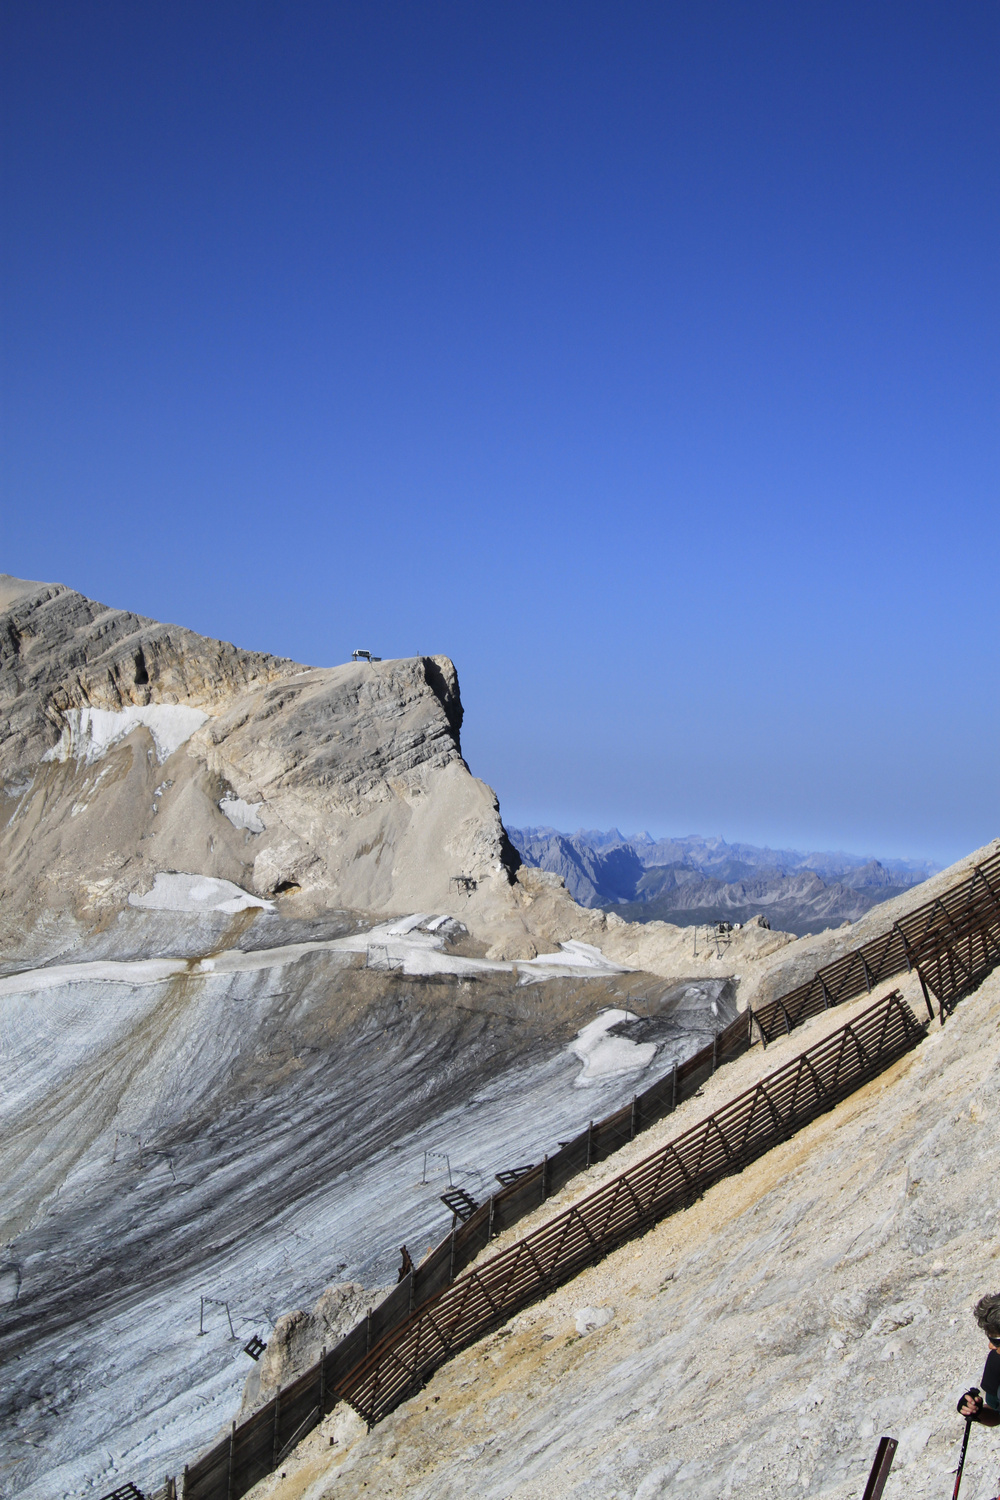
[[642, 358]]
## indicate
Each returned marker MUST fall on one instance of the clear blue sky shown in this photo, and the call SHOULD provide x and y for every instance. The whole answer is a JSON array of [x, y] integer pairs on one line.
[[641, 357]]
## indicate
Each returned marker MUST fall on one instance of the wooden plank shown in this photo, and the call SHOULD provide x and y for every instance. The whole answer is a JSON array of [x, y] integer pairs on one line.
[[391, 1311], [208, 1476]]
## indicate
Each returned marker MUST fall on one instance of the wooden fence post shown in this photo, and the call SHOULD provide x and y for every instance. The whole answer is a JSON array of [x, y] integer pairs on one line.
[[884, 1455]]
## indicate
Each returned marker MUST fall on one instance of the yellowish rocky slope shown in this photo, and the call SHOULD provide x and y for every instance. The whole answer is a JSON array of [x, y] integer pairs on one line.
[[755, 1345]]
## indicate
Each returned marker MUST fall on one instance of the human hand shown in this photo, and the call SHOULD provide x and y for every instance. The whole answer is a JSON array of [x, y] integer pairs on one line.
[[971, 1403]]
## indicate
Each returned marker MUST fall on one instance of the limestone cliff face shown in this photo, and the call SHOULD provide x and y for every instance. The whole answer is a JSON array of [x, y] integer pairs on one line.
[[129, 748], [60, 650], [361, 781]]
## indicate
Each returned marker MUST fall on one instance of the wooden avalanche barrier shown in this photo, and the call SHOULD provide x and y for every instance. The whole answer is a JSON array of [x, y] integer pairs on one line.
[[668, 1180], [952, 942]]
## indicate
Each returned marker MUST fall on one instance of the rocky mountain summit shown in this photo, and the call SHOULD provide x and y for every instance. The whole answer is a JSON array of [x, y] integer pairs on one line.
[[131, 751], [128, 747]]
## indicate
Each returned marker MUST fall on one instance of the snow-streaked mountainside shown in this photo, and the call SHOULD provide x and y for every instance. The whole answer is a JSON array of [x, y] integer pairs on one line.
[[270, 972], [697, 880], [264, 945]]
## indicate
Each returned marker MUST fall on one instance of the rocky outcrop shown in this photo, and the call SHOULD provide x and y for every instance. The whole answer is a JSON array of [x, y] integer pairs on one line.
[[299, 1338], [60, 650], [133, 749], [129, 748]]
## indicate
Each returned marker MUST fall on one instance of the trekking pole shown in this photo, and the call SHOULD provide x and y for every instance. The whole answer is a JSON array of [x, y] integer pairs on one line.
[[961, 1461], [972, 1392]]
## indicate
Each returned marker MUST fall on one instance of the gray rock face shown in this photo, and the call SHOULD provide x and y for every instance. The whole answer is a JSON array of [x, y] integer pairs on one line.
[[594, 876], [60, 650], [128, 748]]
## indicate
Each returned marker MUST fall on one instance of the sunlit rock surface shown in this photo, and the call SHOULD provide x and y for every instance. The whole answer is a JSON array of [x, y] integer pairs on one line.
[[270, 979], [754, 1346]]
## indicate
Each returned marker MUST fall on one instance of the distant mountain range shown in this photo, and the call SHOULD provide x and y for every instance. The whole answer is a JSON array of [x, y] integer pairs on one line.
[[694, 879]]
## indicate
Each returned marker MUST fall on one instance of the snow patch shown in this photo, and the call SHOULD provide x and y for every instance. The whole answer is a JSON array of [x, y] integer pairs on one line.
[[135, 972], [178, 892], [90, 732], [577, 955], [243, 814], [606, 1056], [574, 957]]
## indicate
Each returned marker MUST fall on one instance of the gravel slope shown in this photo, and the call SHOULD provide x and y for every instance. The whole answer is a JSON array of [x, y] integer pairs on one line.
[[760, 1341]]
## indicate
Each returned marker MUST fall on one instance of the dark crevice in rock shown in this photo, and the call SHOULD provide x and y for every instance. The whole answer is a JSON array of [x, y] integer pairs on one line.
[[443, 682]]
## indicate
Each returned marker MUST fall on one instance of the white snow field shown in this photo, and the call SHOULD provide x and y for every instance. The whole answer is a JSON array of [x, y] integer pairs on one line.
[[605, 1056], [91, 732], [179, 892], [243, 814], [250, 1125]]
